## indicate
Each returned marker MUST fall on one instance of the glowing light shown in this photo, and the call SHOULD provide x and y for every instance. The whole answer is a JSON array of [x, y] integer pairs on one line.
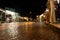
[[26, 18], [37, 16], [58, 1], [12, 30], [47, 10], [42, 15], [10, 12], [13, 14]]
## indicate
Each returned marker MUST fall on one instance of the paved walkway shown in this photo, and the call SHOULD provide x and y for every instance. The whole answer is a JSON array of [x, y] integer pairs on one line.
[[56, 25]]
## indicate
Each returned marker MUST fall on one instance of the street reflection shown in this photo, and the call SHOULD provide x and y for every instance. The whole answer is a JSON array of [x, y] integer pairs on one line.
[[18, 31], [28, 31], [12, 31], [26, 27]]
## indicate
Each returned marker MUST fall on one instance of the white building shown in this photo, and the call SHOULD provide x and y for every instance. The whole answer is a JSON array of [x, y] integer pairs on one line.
[[13, 14]]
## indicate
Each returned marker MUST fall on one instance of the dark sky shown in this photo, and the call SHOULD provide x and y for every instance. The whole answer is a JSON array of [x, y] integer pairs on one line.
[[25, 6]]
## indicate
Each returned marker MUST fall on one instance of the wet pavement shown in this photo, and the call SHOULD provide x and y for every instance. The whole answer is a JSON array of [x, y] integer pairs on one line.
[[28, 31]]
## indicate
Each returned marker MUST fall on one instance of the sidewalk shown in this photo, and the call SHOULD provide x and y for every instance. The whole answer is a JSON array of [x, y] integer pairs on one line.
[[57, 25]]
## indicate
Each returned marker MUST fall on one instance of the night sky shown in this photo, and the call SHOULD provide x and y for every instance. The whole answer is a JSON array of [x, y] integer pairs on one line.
[[24, 7]]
